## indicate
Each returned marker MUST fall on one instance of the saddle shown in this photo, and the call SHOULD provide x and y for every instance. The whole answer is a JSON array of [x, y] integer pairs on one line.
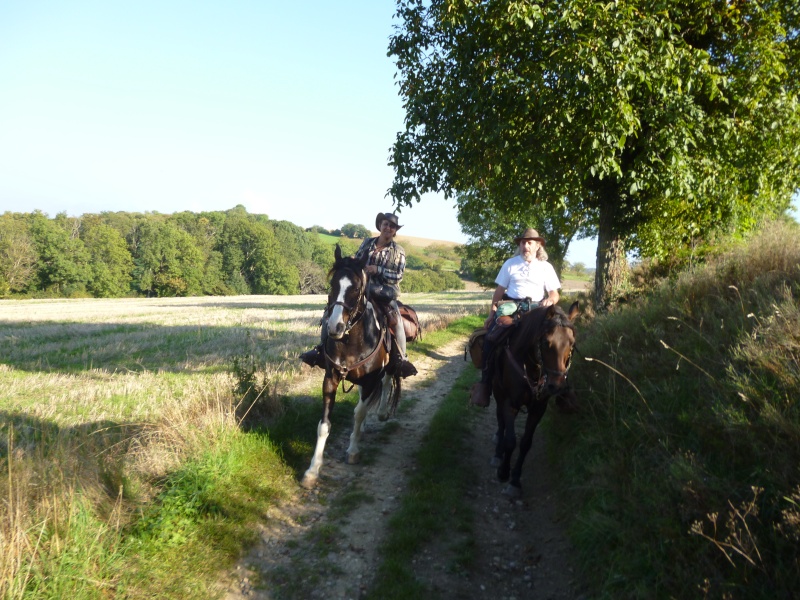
[[475, 343], [475, 347], [507, 317], [411, 324]]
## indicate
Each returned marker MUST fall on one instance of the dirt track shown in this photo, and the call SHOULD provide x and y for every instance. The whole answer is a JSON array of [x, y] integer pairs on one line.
[[523, 548]]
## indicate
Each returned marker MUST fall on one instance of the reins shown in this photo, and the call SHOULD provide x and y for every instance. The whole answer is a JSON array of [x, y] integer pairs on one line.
[[343, 370]]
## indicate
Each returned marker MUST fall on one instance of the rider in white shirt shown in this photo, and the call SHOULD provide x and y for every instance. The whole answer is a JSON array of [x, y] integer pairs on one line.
[[526, 276]]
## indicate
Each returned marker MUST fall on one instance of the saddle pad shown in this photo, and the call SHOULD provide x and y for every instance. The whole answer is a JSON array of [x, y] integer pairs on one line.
[[410, 323]]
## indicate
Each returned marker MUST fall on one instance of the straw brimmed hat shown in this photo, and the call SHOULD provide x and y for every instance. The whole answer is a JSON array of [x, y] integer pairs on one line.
[[530, 234]]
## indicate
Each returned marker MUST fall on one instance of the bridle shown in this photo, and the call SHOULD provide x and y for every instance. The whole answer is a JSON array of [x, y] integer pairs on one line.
[[555, 372], [355, 312], [544, 373]]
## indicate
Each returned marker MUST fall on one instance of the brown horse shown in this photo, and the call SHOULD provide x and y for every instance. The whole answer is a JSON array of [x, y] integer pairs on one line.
[[357, 349], [531, 367]]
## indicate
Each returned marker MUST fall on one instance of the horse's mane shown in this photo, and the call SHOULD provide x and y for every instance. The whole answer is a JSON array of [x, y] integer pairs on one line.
[[346, 263], [535, 324]]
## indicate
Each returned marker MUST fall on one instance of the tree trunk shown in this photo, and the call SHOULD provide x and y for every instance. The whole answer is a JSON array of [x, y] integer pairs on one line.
[[612, 264]]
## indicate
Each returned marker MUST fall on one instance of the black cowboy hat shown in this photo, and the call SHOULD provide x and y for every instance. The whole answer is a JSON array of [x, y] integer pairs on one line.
[[391, 217], [530, 234]]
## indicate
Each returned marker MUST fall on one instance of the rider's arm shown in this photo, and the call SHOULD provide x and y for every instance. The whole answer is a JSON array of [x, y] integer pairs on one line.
[[551, 286], [496, 297], [551, 299]]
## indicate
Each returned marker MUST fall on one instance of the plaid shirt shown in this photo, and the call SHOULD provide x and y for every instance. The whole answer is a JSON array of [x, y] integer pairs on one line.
[[391, 260]]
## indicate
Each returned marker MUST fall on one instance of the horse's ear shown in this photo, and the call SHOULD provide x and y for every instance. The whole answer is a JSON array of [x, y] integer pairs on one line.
[[574, 311], [337, 253]]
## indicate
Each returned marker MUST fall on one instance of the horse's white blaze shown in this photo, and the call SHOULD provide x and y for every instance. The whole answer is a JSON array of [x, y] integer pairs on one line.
[[336, 319], [323, 430]]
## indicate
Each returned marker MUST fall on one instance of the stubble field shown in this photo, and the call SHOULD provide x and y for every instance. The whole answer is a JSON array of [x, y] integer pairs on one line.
[[101, 400]]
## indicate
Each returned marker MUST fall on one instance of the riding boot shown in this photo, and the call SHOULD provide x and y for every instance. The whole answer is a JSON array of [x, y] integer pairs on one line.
[[405, 368], [314, 357], [480, 393]]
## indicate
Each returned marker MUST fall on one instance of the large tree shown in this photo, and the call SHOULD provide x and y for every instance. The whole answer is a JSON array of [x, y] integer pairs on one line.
[[253, 259], [168, 262], [63, 266], [111, 264], [662, 120], [18, 254]]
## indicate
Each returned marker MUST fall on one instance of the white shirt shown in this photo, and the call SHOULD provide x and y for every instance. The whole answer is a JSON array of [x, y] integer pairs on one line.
[[527, 279]]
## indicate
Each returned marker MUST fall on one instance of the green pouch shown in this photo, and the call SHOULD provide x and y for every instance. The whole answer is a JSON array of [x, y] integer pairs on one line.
[[506, 309]]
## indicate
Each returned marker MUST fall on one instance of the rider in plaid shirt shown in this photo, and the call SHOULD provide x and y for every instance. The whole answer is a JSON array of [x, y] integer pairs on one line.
[[390, 260], [385, 266]]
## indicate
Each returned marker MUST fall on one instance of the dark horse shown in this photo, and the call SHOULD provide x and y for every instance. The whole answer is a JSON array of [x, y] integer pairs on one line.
[[530, 368], [357, 349]]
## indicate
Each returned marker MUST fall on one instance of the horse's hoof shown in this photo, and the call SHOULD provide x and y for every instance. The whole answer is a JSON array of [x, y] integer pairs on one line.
[[495, 462], [512, 491], [354, 459], [502, 475], [308, 481], [383, 417]]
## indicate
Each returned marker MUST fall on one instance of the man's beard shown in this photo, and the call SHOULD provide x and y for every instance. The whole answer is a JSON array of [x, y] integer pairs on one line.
[[528, 256]]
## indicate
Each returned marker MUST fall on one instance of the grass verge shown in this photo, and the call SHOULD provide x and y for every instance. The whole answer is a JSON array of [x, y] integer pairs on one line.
[[681, 474], [433, 502]]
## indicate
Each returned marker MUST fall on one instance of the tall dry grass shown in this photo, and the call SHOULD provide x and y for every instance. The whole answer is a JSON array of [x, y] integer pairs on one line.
[[682, 470]]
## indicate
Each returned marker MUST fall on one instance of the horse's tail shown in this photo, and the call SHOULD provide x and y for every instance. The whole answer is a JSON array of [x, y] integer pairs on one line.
[[374, 396], [394, 399]]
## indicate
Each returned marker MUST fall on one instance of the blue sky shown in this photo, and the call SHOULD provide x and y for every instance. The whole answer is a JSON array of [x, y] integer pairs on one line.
[[287, 108]]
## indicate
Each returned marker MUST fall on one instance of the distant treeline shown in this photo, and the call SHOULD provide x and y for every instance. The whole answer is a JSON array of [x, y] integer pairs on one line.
[[115, 254]]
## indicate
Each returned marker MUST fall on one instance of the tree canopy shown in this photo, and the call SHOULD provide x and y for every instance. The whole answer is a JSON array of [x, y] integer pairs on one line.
[[492, 230], [657, 122]]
